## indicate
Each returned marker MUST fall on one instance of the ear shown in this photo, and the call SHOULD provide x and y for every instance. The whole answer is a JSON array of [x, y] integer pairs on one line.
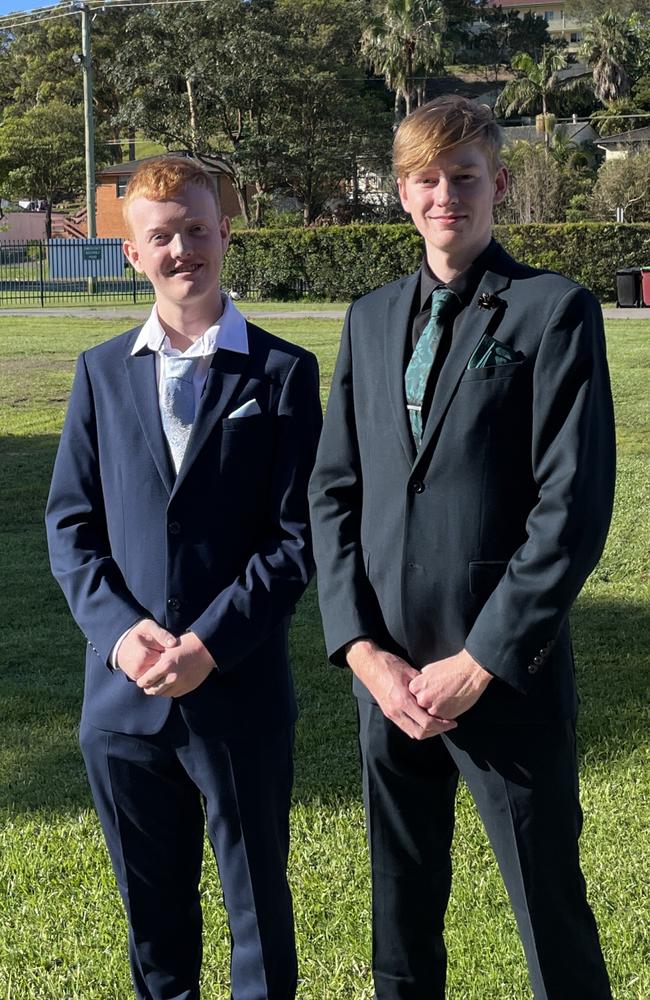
[[224, 231], [132, 255], [501, 184], [403, 194]]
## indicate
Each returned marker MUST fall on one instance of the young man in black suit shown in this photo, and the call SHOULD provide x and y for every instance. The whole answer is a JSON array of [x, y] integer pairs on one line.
[[462, 494], [178, 529]]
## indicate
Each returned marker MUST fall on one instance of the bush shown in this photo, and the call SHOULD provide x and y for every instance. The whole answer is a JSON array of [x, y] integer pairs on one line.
[[344, 262]]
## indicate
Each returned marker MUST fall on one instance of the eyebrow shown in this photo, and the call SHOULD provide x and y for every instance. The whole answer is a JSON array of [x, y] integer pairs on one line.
[[164, 225]]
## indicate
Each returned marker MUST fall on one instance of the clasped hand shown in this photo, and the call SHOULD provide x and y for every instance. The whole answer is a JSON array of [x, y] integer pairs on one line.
[[162, 664], [422, 703]]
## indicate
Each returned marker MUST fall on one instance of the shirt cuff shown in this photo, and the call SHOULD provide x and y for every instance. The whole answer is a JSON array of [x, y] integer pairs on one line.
[[112, 659]]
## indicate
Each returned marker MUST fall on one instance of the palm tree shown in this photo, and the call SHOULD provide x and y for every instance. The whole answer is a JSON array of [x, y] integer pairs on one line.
[[403, 43], [607, 49], [530, 91]]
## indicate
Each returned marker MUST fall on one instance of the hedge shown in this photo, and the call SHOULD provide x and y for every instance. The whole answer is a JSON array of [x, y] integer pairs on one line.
[[343, 262]]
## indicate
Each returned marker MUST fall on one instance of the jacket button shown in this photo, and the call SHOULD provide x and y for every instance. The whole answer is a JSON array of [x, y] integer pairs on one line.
[[174, 528], [538, 660], [532, 668], [173, 604], [417, 486]]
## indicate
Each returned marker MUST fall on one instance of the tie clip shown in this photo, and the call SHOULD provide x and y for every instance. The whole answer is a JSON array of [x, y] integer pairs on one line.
[[413, 406]]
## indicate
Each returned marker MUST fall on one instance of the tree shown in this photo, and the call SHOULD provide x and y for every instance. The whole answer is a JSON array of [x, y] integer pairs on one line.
[[41, 58], [273, 91], [541, 185], [623, 184], [42, 154], [403, 43], [608, 49], [534, 86], [502, 34]]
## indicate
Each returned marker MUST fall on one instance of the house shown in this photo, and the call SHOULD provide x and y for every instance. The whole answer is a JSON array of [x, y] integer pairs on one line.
[[111, 185], [624, 144], [577, 132], [560, 23]]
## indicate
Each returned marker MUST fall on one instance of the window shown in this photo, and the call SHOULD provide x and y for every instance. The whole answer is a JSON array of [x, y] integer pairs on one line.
[[575, 37], [120, 185], [549, 15]]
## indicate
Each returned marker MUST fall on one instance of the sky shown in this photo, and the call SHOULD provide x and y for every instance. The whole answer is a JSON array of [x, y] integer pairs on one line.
[[15, 6]]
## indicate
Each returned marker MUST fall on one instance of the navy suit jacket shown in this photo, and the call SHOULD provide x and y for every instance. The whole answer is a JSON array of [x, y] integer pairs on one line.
[[223, 549], [484, 537]]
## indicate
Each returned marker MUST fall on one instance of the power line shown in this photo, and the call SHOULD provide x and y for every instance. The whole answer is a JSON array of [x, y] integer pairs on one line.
[[20, 19]]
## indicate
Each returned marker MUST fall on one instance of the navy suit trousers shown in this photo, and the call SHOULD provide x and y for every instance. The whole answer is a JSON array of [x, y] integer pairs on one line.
[[155, 795]]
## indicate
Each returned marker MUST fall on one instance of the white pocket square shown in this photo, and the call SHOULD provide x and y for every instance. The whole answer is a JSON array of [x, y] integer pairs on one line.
[[248, 409]]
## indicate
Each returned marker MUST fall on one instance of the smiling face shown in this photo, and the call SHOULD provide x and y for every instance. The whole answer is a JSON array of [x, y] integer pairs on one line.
[[451, 202], [179, 243]]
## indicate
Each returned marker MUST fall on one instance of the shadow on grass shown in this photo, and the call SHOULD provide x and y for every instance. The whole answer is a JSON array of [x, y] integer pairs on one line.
[[42, 669]]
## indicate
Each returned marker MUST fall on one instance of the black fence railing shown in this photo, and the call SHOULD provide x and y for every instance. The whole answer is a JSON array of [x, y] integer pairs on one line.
[[68, 271]]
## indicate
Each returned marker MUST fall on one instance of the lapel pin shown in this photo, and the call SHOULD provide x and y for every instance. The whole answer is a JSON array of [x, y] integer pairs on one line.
[[487, 300]]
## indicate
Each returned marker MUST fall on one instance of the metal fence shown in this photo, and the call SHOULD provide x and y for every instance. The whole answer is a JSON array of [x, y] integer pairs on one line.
[[66, 271]]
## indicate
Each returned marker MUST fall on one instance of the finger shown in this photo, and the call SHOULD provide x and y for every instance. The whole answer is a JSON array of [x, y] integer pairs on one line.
[[157, 637], [163, 686], [154, 675]]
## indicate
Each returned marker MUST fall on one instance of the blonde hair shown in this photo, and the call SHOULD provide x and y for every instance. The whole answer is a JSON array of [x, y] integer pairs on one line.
[[162, 177], [440, 125]]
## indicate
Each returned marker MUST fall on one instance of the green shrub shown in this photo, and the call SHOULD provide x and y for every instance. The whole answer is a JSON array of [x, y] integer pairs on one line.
[[344, 262]]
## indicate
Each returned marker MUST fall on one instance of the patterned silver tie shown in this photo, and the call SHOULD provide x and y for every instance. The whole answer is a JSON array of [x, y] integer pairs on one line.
[[177, 404], [419, 367]]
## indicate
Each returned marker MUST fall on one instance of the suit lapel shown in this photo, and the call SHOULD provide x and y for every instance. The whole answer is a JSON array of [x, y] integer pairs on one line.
[[224, 377], [141, 373], [473, 325], [397, 328]]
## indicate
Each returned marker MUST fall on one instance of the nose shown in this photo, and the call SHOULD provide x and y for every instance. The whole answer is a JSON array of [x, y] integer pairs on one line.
[[179, 246], [446, 193]]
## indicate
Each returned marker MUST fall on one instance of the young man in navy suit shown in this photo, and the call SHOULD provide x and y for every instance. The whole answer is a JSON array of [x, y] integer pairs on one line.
[[462, 494], [178, 531]]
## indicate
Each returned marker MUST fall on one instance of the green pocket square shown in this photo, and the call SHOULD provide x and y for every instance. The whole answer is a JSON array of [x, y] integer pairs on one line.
[[491, 352]]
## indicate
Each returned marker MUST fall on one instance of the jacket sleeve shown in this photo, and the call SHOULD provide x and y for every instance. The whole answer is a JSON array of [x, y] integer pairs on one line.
[[77, 534], [573, 459], [266, 592], [348, 604]]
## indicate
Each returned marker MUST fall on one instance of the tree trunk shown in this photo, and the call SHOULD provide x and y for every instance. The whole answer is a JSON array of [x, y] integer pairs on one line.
[[131, 137], [48, 219], [242, 198], [191, 97]]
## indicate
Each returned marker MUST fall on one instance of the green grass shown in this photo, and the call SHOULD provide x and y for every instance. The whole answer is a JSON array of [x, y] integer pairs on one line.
[[63, 933]]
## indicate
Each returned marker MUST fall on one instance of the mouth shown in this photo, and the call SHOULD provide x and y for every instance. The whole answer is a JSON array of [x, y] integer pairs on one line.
[[448, 219], [185, 269]]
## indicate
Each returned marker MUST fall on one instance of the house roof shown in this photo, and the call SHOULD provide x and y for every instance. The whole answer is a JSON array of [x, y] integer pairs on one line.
[[521, 3], [577, 132], [22, 226], [626, 138], [212, 164]]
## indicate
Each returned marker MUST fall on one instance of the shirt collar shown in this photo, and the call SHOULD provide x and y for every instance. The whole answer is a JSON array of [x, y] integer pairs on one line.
[[464, 285], [228, 333]]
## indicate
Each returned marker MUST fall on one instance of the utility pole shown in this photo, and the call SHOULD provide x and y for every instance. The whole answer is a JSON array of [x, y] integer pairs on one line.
[[89, 124]]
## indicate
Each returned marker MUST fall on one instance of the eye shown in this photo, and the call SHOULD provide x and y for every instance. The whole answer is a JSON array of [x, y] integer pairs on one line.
[[159, 238], [198, 230]]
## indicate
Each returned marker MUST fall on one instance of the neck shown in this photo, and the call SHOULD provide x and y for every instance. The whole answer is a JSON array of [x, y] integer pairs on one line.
[[184, 324], [447, 266]]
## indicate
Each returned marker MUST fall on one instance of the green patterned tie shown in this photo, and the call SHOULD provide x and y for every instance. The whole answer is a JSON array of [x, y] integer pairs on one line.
[[419, 367]]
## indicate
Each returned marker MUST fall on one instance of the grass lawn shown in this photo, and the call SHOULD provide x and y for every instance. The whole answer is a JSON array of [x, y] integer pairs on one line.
[[63, 933]]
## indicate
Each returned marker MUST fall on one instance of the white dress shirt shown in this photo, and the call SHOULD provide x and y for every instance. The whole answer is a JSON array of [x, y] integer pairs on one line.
[[228, 333]]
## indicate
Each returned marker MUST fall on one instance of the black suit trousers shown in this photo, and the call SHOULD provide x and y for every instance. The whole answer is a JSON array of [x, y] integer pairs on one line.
[[523, 779], [154, 796]]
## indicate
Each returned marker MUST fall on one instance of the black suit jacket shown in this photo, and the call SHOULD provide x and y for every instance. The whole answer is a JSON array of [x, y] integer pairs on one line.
[[483, 538], [223, 549]]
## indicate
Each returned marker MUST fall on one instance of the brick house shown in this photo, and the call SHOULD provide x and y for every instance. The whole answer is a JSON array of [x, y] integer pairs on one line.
[[111, 185]]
